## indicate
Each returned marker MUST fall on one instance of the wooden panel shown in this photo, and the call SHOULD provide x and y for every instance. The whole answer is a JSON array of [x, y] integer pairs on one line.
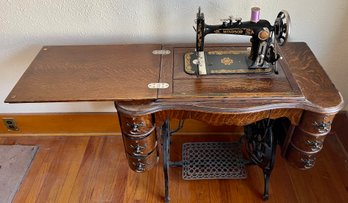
[[141, 164], [89, 73], [314, 123], [313, 81], [246, 87], [136, 126], [142, 146], [226, 86], [122, 72], [217, 119]]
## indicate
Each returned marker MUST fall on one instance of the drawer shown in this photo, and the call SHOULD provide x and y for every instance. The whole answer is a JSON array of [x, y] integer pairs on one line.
[[142, 146], [300, 159], [316, 123], [307, 142], [143, 163], [136, 125]]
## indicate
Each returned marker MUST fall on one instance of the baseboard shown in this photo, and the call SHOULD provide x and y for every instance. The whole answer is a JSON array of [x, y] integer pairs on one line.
[[89, 124], [105, 124]]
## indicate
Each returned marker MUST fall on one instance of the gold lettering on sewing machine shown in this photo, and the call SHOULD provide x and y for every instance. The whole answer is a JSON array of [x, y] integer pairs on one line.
[[236, 31]]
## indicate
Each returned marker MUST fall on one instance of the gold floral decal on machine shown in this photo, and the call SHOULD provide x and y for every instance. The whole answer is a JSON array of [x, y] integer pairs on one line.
[[226, 61], [230, 59]]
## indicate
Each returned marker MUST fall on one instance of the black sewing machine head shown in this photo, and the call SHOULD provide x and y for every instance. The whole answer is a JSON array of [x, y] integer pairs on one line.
[[262, 54]]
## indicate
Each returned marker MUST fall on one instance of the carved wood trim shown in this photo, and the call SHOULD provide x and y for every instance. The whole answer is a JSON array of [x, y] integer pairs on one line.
[[218, 119]]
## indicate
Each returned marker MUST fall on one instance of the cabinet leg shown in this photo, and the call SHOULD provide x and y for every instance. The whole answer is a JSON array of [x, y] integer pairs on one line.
[[269, 167], [166, 158], [261, 147], [267, 176]]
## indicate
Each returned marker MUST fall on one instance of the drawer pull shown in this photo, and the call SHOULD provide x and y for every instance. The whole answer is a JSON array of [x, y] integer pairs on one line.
[[135, 127], [322, 127], [138, 149], [139, 166], [308, 162], [315, 145]]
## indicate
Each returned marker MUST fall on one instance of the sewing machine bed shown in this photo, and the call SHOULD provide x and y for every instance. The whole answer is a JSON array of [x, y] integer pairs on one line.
[[223, 62], [247, 85]]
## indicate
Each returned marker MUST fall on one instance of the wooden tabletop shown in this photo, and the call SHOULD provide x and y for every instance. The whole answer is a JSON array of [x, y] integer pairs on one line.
[[123, 72], [89, 73]]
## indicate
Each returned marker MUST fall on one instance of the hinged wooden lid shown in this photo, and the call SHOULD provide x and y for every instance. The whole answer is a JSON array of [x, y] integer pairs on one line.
[[89, 73]]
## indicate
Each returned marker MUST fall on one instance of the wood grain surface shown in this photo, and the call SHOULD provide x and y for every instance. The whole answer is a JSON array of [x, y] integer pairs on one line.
[[89, 73], [95, 169], [312, 79], [122, 73], [216, 119]]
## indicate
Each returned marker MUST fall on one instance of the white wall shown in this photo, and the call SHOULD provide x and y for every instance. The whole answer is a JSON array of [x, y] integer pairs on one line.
[[26, 25]]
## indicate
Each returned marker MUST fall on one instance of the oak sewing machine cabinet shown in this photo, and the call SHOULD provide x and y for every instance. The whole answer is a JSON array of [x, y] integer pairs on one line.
[[279, 93]]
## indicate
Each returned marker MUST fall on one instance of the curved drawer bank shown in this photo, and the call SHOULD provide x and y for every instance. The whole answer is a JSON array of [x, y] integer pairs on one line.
[[140, 141], [308, 139]]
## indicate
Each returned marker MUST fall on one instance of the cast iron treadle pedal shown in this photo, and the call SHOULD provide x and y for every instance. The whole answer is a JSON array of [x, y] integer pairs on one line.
[[212, 160]]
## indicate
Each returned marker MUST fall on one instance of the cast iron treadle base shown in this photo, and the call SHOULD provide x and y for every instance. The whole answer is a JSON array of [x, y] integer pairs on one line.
[[212, 160]]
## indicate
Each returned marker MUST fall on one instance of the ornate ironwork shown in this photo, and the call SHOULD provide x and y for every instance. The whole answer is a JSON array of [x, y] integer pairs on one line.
[[258, 140], [212, 160], [261, 148]]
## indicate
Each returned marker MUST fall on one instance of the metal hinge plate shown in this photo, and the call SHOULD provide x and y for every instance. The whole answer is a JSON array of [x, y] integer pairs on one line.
[[161, 52], [160, 85]]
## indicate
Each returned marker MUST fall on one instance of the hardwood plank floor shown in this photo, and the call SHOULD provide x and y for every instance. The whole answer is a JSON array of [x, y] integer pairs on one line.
[[94, 169]]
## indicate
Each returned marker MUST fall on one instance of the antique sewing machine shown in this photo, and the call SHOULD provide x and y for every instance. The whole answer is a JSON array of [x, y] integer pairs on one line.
[[259, 143], [150, 94], [260, 58]]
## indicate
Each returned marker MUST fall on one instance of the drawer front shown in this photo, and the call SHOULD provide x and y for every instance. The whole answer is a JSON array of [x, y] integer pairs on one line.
[[307, 142], [300, 159], [140, 147], [142, 163], [136, 125], [316, 123]]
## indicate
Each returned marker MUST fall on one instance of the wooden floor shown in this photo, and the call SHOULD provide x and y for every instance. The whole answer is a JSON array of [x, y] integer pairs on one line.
[[94, 169]]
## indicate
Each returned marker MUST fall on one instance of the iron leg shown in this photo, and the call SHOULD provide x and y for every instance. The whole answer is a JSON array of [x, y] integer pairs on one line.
[[267, 175], [262, 146], [166, 157]]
